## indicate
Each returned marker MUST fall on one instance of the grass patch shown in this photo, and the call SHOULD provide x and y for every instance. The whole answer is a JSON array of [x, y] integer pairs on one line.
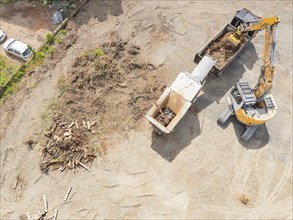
[[58, 40], [62, 85], [5, 2], [50, 38], [93, 53], [47, 114], [47, 2], [63, 31], [37, 60], [59, 37], [99, 52], [7, 68]]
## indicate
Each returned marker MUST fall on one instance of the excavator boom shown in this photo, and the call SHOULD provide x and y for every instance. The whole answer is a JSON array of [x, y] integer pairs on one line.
[[254, 107]]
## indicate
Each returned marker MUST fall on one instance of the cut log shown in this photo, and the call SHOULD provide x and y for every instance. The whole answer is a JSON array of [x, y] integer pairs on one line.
[[67, 194], [45, 203], [55, 214], [84, 166]]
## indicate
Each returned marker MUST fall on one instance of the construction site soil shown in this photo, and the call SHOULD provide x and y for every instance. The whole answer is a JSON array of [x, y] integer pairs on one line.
[[105, 93], [83, 112]]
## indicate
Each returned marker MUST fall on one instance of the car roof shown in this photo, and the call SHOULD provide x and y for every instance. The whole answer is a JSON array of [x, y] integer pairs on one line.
[[18, 45]]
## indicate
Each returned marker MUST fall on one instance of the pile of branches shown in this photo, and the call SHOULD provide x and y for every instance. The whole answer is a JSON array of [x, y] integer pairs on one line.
[[165, 115], [64, 147]]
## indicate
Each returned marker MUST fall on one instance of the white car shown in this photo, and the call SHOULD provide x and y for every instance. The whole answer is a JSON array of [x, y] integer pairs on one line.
[[18, 49], [2, 36]]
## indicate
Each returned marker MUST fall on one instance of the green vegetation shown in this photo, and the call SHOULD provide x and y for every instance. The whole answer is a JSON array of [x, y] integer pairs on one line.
[[47, 2], [63, 31], [58, 40], [62, 85], [7, 68], [4, 2], [38, 58], [99, 52], [50, 38], [90, 53], [59, 37], [11, 73], [48, 113], [11, 82]]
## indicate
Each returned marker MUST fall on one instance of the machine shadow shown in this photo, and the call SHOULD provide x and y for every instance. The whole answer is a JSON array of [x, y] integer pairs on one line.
[[16, 59], [215, 88], [258, 140], [99, 10], [170, 145]]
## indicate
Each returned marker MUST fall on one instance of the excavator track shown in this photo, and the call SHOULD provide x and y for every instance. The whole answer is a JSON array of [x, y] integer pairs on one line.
[[248, 133], [226, 113]]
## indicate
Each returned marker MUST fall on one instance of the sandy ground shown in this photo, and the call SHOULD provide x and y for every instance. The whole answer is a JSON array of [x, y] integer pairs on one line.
[[197, 172]]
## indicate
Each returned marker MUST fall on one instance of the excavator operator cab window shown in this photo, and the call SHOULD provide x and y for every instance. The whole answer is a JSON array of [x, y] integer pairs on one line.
[[236, 95]]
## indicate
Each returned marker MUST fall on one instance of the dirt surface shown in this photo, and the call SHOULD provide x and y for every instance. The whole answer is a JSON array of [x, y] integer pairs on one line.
[[33, 16], [221, 50], [26, 21], [100, 95], [201, 170], [110, 86]]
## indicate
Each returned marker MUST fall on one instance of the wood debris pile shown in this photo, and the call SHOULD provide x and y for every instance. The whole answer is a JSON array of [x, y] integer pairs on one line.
[[221, 50], [112, 83], [165, 115], [64, 146]]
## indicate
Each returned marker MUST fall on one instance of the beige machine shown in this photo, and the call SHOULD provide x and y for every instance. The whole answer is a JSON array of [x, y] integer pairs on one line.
[[180, 96]]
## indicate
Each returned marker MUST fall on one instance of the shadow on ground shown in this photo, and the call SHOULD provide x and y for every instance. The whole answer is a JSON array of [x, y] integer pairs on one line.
[[16, 59], [258, 140], [215, 88], [36, 16], [99, 10], [170, 145]]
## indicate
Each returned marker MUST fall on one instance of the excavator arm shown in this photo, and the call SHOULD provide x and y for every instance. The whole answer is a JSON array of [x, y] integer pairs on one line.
[[254, 106], [265, 81]]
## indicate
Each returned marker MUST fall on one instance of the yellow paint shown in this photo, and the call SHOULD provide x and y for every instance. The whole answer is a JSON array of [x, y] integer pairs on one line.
[[247, 120], [267, 72]]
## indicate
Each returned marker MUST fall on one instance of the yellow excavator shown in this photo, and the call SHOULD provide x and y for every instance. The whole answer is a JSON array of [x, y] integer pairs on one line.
[[254, 106]]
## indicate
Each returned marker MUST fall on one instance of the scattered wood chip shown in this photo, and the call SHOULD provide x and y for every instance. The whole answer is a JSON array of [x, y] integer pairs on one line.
[[45, 203], [67, 194], [55, 214], [72, 123], [84, 166], [122, 84]]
